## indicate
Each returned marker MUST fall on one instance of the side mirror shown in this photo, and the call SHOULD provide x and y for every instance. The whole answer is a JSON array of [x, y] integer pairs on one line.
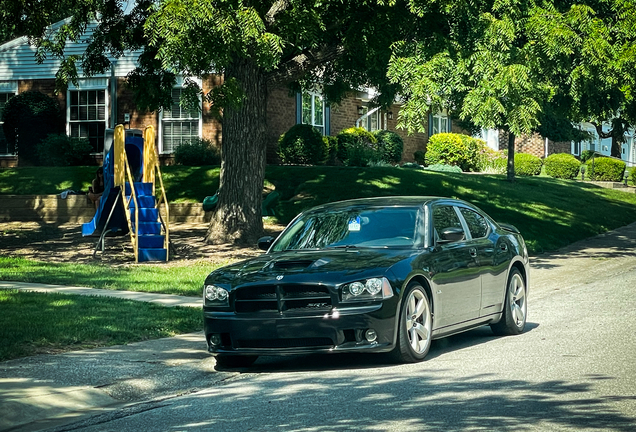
[[452, 234], [265, 242]]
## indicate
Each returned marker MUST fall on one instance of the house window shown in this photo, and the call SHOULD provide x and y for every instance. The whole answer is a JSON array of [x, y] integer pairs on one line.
[[87, 117], [179, 125], [372, 121], [576, 148], [4, 145], [313, 110], [440, 123]]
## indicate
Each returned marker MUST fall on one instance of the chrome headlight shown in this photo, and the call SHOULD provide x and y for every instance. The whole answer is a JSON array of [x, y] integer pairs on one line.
[[214, 295], [368, 289]]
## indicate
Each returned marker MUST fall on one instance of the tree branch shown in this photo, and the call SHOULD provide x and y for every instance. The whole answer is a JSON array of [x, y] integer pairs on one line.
[[599, 131], [277, 7], [298, 66]]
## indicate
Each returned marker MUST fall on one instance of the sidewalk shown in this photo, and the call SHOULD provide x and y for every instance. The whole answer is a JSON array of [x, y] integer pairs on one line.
[[49, 390], [163, 299], [46, 390]]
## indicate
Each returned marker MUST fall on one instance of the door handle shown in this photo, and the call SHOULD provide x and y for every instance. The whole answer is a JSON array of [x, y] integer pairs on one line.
[[472, 252]]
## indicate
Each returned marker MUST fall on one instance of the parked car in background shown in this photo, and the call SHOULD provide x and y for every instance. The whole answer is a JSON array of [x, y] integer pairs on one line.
[[386, 274]]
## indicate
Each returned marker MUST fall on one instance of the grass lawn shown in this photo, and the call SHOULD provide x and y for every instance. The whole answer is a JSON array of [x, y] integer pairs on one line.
[[35, 323], [550, 213], [180, 280]]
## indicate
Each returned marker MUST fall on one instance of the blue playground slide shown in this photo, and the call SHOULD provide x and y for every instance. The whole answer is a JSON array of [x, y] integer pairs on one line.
[[111, 199]]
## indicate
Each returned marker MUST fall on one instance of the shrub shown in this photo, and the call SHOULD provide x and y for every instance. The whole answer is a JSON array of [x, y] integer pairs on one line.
[[419, 157], [527, 164], [443, 168], [632, 175], [331, 149], [587, 155], [561, 165], [492, 161], [62, 150], [358, 147], [412, 165], [197, 152], [606, 169], [390, 144], [454, 149], [29, 118], [302, 144]]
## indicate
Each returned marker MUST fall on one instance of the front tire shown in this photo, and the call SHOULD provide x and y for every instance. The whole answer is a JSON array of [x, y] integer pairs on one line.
[[515, 310], [233, 361], [415, 326]]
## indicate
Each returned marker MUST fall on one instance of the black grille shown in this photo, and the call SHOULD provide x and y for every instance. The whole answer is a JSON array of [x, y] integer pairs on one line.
[[282, 298], [285, 343]]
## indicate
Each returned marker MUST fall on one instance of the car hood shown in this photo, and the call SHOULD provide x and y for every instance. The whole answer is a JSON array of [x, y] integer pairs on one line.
[[325, 266]]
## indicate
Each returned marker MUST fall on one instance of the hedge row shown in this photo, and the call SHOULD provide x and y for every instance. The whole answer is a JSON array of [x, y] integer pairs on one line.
[[303, 144]]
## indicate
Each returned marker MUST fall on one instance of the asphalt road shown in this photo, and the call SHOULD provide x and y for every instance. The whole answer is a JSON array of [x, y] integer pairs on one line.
[[573, 369]]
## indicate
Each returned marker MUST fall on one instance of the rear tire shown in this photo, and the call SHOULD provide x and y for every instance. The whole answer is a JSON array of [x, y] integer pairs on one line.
[[415, 326], [515, 311], [234, 361]]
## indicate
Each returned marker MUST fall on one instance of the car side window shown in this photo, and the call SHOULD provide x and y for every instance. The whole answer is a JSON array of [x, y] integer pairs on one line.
[[445, 218], [477, 224]]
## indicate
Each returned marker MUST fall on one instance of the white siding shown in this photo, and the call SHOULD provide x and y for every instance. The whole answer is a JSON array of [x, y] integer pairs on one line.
[[17, 59]]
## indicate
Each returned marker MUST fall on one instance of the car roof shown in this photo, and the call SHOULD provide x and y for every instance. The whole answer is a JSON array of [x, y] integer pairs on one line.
[[389, 201]]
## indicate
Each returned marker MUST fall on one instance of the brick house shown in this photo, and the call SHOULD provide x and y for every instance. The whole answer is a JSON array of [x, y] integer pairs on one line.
[[542, 147], [103, 101]]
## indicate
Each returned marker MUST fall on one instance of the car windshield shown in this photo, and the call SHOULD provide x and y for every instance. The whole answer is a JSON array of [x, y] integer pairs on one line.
[[354, 227]]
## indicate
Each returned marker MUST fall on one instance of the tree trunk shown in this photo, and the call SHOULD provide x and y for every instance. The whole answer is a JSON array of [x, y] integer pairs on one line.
[[238, 216], [616, 146], [511, 157]]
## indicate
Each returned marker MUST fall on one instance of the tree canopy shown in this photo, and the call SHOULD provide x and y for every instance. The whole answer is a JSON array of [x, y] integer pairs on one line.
[[511, 64], [524, 66]]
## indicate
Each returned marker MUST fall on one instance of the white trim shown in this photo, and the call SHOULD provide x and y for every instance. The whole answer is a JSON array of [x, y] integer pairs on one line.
[[84, 85], [89, 84], [9, 87], [161, 111], [314, 95]]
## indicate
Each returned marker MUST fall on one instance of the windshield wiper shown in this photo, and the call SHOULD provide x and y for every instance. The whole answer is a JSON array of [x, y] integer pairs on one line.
[[343, 247]]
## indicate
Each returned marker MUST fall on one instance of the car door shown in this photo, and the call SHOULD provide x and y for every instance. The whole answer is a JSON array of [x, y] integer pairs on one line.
[[492, 268], [455, 271]]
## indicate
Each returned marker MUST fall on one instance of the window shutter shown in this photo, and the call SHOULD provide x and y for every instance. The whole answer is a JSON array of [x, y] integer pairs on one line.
[[299, 108], [327, 120], [430, 124], [450, 125]]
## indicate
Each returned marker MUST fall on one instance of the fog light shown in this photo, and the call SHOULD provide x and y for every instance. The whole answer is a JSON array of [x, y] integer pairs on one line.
[[370, 335], [215, 339]]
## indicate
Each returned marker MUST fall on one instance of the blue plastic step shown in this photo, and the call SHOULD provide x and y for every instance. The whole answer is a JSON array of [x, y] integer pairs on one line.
[[152, 254], [145, 214], [148, 228], [145, 201], [142, 189], [151, 241]]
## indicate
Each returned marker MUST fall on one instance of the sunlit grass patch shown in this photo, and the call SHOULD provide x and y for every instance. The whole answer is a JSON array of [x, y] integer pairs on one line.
[[184, 280], [35, 323]]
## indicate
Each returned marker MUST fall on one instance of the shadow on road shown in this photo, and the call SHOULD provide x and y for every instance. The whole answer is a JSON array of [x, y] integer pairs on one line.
[[354, 361]]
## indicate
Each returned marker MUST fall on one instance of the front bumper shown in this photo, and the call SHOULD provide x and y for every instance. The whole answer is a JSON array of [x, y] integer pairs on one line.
[[338, 330]]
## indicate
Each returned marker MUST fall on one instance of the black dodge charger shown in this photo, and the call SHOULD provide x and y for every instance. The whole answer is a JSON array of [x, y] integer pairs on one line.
[[383, 274]]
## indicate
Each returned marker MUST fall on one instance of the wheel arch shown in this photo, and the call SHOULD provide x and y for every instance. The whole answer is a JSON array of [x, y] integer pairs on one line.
[[523, 269], [424, 283]]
